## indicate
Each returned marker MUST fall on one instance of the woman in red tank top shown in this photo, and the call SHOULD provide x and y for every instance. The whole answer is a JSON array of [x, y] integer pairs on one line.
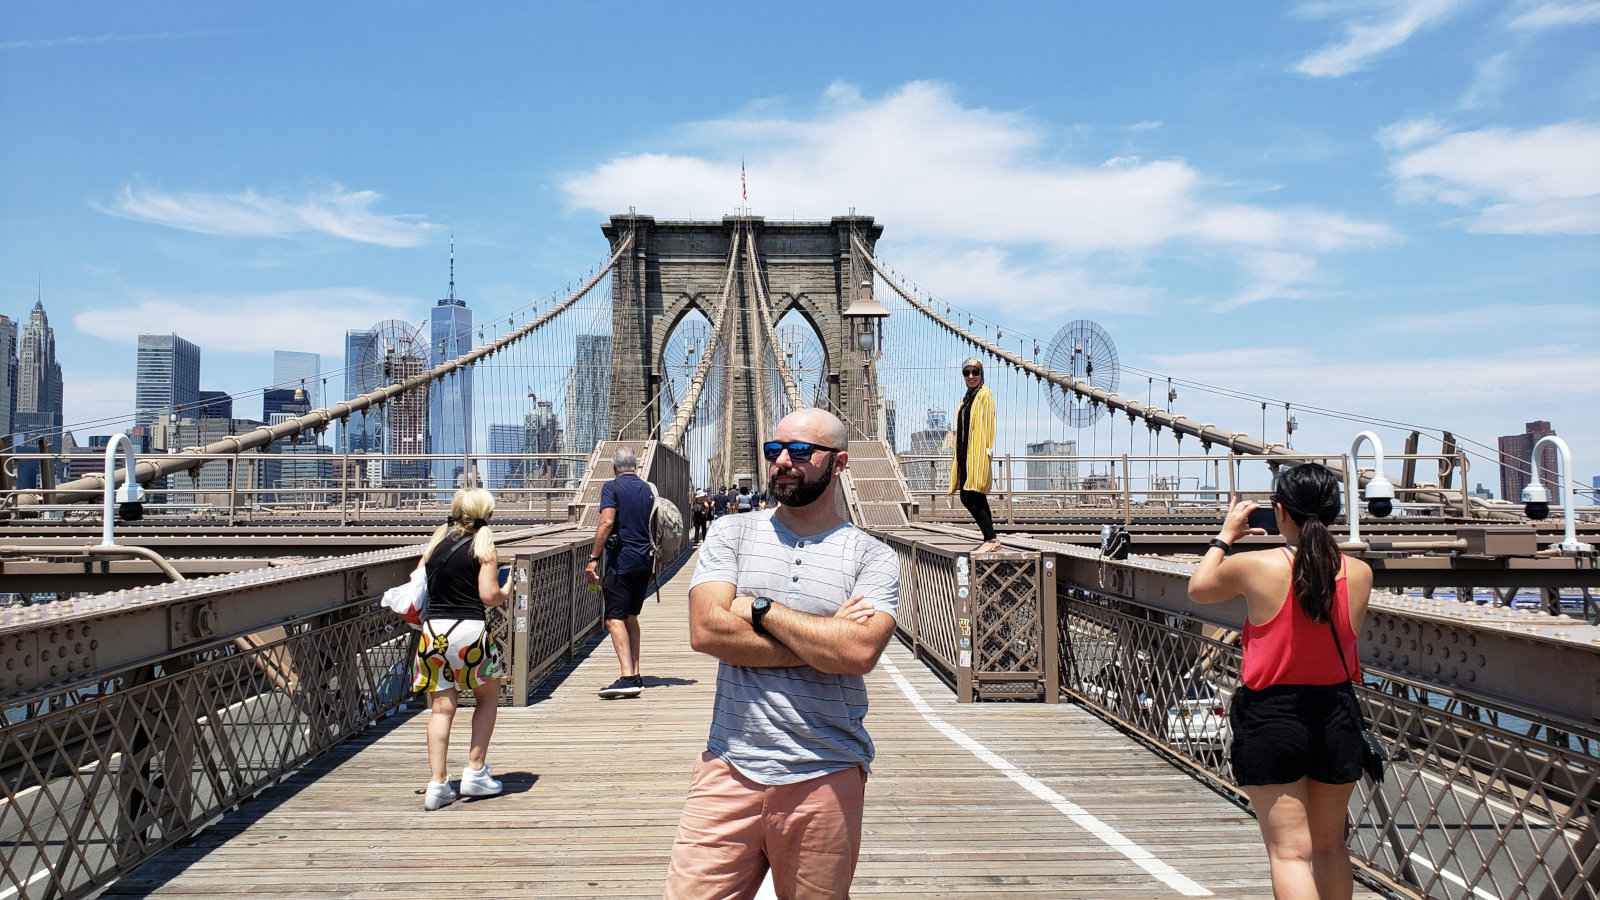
[[1297, 742]]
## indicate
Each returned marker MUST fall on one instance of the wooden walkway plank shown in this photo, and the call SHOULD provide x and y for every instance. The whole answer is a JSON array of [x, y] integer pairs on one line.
[[594, 790]]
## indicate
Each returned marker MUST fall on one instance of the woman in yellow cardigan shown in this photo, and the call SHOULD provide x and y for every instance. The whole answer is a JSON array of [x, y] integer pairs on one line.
[[969, 472]]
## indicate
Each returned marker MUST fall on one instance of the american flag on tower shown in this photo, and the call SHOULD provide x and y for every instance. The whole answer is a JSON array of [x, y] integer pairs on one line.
[[744, 193]]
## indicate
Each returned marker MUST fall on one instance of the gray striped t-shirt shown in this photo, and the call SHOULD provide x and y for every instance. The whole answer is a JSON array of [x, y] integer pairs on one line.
[[783, 725]]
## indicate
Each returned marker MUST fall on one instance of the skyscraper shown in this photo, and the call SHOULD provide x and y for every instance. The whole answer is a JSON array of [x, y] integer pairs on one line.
[[542, 433], [357, 433], [292, 369], [214, 405], [588, 410], [506, 473], [450, 400], [8, 373], [1515, 450], [38, 378], [289, 402], [167, 378], [1052, 474]]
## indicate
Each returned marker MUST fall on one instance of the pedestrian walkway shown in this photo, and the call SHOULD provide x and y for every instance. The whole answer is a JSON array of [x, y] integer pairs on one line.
[[964, 801]]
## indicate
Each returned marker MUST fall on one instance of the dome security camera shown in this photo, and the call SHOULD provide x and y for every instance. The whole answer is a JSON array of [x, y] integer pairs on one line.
[[130, 502], [1380, 496], [1536, 502]]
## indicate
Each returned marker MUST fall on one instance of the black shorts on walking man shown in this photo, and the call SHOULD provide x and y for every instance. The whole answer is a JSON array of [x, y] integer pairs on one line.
[[622, 540]]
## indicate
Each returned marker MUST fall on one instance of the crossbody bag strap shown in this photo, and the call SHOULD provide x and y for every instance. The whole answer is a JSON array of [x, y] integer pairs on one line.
[[1339, 646], [449, 555]]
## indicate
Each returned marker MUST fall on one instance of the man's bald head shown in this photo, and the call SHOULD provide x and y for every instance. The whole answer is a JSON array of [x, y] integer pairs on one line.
[[815, 425]]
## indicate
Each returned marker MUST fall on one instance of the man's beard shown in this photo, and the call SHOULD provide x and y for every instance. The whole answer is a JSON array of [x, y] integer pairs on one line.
[[804, 491]]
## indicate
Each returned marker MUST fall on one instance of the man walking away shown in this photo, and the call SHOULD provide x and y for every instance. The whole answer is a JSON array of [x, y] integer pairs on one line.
[[623, 538], [746, 501], [798, 604]]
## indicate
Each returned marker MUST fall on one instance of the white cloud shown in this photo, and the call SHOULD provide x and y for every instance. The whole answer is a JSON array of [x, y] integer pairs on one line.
[[95, 40], [1537, 181], [1045, 291], [1370, 30], [1410, 132], [251, 323], [1489, 83], [1274, 275], [1146, 125], [1558, 15], [332, 211], [950, 177], [1494, 318]]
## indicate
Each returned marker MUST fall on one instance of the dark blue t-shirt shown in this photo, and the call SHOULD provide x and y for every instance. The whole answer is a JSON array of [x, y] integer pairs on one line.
[[631, 498]]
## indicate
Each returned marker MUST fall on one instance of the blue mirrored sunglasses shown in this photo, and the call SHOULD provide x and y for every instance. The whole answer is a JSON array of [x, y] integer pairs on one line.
[[799, 451]]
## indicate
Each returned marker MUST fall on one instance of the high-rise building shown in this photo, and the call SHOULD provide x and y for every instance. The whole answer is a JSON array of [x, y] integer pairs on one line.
[[542, 433], [284, 402], [1052, 474], [359, 431], [405, 426], [1482, 492], [935, 440], [506, 473], [38, 377], [170, 433], [889, 423], [1594, 484], [588, 408], [293, 369], [1515, 451], [167, 380], [8, 374], [214, 405], [450, 399]]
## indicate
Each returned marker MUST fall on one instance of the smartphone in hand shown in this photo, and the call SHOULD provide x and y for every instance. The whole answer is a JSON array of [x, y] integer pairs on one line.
[[1265, 518], [505, 575]]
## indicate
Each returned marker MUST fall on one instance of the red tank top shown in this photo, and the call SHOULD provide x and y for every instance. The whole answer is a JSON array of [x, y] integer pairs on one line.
[[1292, 648]]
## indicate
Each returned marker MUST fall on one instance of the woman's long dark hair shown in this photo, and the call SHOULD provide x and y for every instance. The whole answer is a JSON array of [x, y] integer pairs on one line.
[[1310, 494]]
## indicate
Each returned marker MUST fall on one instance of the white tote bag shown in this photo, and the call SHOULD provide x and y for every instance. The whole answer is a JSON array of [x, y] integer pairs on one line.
[[409, 601]]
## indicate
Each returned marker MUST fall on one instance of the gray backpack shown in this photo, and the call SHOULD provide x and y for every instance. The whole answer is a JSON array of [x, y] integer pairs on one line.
[[666, 529]]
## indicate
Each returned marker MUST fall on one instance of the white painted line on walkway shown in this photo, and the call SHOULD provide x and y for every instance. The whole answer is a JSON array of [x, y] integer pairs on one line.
[[1451, 877], [10, 892], [1081, 817]]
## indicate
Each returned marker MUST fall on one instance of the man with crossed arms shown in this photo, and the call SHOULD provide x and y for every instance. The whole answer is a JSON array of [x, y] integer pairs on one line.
[[798, 604]]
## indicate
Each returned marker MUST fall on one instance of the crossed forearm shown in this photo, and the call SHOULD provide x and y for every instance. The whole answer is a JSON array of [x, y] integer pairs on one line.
[[731, 639], [824, 643]]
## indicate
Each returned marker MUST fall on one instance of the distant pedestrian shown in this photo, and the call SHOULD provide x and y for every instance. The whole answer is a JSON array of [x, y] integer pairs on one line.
[[797, 603], [745, 501], [1297, 743], [623, 541], [700, 510], [455, 649], [969, 471], [719, 503]]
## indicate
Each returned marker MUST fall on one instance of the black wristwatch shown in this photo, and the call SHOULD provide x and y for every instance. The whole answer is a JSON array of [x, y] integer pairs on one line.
[[759, 608], [1219, 542], [594, 559]]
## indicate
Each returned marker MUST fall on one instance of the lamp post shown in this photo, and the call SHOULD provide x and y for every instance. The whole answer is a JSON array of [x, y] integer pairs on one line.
[[130, 497], [864, 320], [1537, 497]]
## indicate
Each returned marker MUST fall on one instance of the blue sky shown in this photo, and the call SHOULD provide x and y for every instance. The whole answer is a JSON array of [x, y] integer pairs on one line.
[[1391, 207]]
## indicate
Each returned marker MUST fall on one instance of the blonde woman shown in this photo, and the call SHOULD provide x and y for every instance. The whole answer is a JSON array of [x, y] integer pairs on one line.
[[969, 471], [456, 650]]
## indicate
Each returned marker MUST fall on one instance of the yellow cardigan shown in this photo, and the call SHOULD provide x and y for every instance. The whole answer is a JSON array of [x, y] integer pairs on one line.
[[980, 440]]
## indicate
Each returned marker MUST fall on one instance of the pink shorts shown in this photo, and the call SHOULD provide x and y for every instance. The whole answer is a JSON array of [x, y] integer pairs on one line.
[[733, 829]]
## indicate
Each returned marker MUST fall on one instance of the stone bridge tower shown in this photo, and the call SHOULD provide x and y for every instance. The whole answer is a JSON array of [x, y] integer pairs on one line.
[[676, 266]]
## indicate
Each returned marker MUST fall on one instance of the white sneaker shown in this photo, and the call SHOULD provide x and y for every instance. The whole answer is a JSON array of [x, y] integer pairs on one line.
[[437, 796], [479, 784]]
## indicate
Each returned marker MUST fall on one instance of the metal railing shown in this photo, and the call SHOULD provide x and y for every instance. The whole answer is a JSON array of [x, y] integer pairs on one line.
[[1481, 800], [102, 774], [985, 624], [1040, 486], [240, 486]]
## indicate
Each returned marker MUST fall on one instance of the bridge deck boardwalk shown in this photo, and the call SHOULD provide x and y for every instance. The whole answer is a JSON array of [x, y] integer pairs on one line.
[[594, 790]]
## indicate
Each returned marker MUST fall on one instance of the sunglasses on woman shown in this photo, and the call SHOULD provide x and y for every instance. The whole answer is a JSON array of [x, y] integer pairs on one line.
[[799, 451], [971, 371]]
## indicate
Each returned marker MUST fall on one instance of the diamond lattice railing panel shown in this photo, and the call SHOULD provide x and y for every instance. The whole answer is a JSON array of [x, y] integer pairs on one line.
[[96, 778], [1480, 799], [1007, 634]]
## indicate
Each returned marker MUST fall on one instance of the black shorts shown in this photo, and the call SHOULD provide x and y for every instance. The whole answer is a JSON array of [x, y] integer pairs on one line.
[[1291, 731], [625, 593]]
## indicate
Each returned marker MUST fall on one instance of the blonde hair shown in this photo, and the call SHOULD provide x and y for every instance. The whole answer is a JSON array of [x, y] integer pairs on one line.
[[470, 510]]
